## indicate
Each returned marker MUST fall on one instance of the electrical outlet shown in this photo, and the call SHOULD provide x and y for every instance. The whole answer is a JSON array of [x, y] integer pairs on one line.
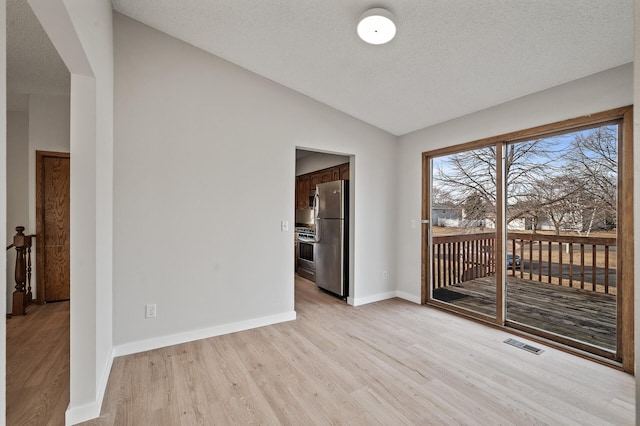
[[150, 311], [284, 226], [384, 275]]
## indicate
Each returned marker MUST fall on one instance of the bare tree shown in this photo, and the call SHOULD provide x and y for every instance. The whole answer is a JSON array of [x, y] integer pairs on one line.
[[569, 179], [475, 207], [473, 174], [595, 155], [440, 196]]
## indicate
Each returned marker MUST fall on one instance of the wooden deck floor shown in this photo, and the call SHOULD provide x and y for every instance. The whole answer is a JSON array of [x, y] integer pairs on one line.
[[579, 314]]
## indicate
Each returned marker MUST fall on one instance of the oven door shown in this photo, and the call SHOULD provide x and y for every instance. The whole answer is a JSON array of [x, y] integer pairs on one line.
[[306, 259]]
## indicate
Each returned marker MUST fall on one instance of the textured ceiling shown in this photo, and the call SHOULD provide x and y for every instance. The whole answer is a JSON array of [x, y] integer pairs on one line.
[[449, 57], [33, 65]]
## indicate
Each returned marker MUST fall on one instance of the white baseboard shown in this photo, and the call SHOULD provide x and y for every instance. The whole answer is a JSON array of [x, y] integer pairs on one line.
[[384, 296], [104, 380], [373, 298], [83, 413], [410, 297], [204, 333]]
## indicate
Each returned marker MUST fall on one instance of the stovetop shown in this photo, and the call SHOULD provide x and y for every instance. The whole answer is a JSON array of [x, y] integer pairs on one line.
[[305, 232]]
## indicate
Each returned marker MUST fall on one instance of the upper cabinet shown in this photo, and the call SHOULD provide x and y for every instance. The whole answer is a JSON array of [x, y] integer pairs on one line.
[[322, 176], [302, 191], [305, 184], [344, 171]]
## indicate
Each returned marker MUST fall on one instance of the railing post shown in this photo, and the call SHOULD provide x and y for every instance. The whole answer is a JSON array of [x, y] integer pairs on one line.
[[18, 294], [22, 293], [28, 270]]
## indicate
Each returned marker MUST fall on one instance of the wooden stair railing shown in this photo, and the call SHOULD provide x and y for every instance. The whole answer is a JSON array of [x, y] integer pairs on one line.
[[22, 295]]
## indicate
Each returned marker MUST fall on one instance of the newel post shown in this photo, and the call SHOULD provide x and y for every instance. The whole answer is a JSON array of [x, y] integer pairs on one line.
[[22, 243]]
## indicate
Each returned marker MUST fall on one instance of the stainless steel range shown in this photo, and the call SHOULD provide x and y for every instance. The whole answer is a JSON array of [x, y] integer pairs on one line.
[[306, 253]]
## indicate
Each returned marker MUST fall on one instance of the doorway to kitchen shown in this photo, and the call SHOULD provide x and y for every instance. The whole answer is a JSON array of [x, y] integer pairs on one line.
[[322, 220]]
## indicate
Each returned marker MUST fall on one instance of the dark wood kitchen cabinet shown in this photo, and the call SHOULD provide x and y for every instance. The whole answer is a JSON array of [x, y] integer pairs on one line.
[[306, 184], [314, 179], [302, 191], [344, 171], [335, 173], [322, 176]]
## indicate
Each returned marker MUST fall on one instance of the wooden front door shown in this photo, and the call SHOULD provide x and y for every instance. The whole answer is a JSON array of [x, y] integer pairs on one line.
[[52, 226]]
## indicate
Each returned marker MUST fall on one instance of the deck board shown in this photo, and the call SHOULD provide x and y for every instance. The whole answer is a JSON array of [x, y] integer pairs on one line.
[[583, 315]]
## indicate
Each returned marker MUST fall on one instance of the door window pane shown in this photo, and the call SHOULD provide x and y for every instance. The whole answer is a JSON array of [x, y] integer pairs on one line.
[[561, 234], [463, 230]]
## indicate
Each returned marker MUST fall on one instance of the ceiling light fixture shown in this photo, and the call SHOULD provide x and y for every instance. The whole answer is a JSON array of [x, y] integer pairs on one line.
[[376, 26]]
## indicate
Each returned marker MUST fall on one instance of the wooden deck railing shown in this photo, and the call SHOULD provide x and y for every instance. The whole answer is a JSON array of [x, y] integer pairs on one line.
[[458, 258], [587, 263], [580, 262]]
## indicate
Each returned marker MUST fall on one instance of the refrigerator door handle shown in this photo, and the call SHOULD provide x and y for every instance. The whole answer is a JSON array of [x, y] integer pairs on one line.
[[317, 237], [316, 201]]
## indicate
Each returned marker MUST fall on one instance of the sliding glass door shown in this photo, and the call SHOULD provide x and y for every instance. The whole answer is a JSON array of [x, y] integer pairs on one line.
[[533, 231]]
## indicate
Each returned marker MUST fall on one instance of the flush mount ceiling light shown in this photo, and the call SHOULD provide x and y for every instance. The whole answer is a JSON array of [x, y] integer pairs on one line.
[[376, 26]]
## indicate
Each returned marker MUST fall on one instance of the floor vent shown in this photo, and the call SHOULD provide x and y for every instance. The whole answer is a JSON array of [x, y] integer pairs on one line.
[[528, 348]]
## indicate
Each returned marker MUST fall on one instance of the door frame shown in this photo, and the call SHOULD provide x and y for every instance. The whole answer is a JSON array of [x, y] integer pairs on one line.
[[625, 266], [40, 279]]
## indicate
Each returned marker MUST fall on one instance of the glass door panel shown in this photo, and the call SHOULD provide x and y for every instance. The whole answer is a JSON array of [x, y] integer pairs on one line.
[[561, 217], [463, 230]]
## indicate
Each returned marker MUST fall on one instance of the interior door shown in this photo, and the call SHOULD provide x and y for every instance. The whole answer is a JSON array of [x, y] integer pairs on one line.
[[52, 226]]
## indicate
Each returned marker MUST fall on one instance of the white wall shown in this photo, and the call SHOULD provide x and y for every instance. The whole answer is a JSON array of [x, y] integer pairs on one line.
[[3, 200], [17, 187], [43, 126], [318, 161], [200, 146], [81, 31], [92, 22], [48, 131], [92, 209], [600, 92]]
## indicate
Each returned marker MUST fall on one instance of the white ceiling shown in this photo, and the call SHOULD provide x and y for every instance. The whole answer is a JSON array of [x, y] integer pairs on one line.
[[449, 57], [33, 65]]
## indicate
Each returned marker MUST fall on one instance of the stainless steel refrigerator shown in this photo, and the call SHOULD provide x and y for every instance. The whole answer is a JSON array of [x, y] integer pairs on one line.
[[331, 211]]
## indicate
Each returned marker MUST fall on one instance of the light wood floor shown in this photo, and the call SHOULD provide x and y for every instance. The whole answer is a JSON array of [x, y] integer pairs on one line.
[[387, 363], [38, 365]]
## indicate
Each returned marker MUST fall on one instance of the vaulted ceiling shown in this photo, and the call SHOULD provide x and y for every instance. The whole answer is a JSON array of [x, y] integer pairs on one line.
[[449, 57], [33, 65]]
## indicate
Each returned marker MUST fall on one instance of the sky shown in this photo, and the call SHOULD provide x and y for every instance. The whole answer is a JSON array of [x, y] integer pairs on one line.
[[553, 158]]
